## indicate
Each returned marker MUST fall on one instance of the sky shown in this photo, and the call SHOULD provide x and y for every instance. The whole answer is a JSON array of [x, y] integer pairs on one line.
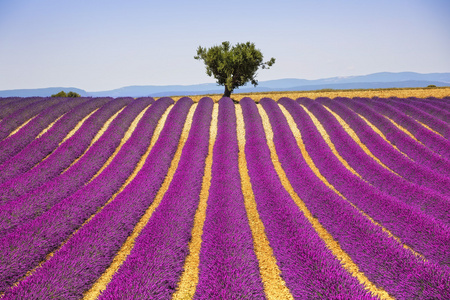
[[99, 45]]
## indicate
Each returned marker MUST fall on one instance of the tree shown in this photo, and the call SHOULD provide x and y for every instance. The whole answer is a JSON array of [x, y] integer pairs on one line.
[[69, 94], [73, 94], [233, 66], [60, 94]]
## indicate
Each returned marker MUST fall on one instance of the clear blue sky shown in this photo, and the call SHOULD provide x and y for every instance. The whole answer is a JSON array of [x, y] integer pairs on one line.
[[105, 44]]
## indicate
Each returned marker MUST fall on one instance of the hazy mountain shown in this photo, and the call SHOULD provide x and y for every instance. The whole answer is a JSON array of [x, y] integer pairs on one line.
[[376, 80], [44, 92]]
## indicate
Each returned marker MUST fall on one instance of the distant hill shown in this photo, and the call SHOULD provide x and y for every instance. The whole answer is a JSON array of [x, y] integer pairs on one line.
[[44, 92], [376, 80]]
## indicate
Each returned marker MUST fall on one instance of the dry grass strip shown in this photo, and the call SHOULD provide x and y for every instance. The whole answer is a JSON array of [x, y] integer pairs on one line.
[[102, 282], [355, 137], [312, 166], [274, 285], [122, 141], [158, 129], [49, 126], [439, 92], [330, 242], [21, 126], [189, 279]]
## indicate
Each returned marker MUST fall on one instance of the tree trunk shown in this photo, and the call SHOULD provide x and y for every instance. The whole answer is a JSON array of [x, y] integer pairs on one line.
[[227, 92]]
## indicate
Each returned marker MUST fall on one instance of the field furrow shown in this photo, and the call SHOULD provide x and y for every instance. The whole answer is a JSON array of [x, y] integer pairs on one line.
[[114, 223], [16, 142], [43, 146], [374, 253], [309, 139], [384, 152], [420, 115], [71, 214], [400, 138], [300, 244], [343, 198], [431, 107], [274, 285], [410, 227], [22, 117], [187, 284], [439, 103], [159, 252], [61, 158], [418, 197], [228, 266], [25, 207], [13, 106], [431, 140]]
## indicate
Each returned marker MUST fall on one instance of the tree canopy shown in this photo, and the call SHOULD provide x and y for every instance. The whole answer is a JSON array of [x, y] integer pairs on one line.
[[233, 66], [69, 94]]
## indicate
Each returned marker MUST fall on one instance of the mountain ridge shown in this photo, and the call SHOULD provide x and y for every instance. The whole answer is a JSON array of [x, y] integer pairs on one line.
[[375, 80]]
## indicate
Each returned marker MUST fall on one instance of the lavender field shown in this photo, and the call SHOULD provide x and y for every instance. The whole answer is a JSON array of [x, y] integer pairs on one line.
[[344, 198]]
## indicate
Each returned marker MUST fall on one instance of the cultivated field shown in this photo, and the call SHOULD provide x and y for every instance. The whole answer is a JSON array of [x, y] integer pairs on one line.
[[344, 198]]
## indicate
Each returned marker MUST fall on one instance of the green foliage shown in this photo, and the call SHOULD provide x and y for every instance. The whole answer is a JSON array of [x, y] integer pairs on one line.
[[69, 94], [431, 86], [60, 94], [233, 66], [73, 94]]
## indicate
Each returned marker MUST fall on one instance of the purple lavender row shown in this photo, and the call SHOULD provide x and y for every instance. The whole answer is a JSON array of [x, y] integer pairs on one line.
[[435, 108], [307, 266], [45, 233], [415, 229], [12, 145], [39, 148], [62, 157], [36, 202], [13, 121], [11, 107], [86, 255], [418, 114], [385, 263], [228, 266], [416, 151], [422, 198], [443, 103], [4, 101], [433, 141], [431, 108], [155, 264], [393, 159]]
